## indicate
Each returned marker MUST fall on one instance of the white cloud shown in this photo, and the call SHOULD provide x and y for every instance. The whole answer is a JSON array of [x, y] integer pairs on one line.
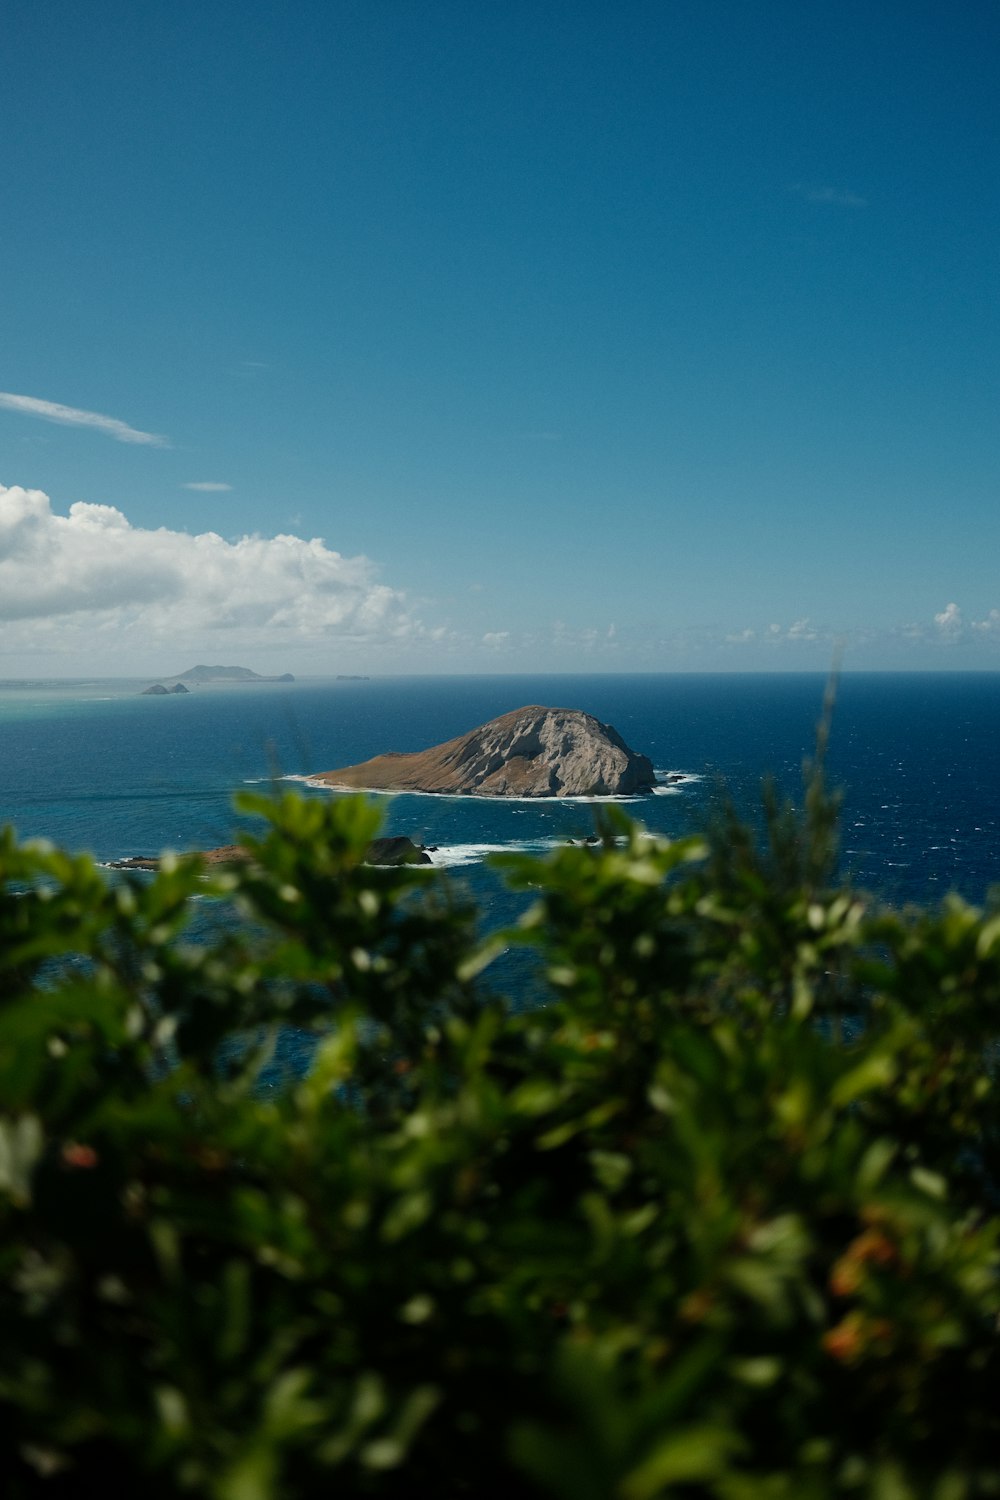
[[779, 635], [949, 629], [206, 486], [950, 622], [71, 416], [952, 629], [496, 638], [90, 577], [775, 635]]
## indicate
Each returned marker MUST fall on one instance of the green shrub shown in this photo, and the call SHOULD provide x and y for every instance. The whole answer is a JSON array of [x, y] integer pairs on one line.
[[718, 1219]]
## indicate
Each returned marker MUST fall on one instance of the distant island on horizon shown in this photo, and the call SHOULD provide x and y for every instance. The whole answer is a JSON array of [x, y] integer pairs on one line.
[[202, 673]]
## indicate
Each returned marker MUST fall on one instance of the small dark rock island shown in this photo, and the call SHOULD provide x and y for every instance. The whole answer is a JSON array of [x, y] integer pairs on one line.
[[397, 850], [530, 752]]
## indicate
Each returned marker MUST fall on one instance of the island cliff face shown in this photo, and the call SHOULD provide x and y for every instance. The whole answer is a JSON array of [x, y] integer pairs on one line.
[[531, 752]]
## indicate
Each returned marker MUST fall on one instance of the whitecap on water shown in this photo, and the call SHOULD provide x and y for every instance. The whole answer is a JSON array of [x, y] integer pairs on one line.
[[447, 856]]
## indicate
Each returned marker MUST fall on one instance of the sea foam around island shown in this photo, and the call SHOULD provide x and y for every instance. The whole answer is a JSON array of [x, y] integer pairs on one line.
[[668, 784], [452, 853]]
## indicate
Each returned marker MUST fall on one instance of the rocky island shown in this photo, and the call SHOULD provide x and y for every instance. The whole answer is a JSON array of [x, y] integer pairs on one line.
[[530, 752]]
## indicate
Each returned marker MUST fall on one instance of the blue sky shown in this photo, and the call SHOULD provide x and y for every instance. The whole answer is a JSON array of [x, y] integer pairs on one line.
[[391, 337]]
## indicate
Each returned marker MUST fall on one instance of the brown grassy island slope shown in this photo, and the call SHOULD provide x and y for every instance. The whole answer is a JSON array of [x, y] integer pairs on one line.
[[530, 752]]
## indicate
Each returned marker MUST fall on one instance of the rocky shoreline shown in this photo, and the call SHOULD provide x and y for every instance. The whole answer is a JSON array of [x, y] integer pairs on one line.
[[397, 850]]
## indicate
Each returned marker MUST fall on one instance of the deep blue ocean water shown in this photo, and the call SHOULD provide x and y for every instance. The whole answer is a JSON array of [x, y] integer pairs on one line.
[[97, 766]]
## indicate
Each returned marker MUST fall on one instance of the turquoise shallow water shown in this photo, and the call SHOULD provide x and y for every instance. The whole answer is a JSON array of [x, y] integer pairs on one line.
[[98, 766]]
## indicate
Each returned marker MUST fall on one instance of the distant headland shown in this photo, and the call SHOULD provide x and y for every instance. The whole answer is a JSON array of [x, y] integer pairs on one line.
[[201, 675], [226, 674], [530, 752]]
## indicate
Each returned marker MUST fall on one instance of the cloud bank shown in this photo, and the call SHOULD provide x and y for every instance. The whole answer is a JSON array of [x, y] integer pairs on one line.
[[89, 581], [945, 639], [72, 416], [954, 630], [90, 593]]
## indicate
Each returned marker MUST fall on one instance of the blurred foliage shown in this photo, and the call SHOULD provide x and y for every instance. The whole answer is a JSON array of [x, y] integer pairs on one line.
[[719, 1219]]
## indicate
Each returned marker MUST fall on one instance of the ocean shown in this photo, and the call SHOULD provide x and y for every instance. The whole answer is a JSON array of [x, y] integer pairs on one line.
[[98, 766]]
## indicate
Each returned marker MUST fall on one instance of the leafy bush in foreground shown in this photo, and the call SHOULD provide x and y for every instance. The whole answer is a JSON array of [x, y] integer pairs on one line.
[[718, 1220]]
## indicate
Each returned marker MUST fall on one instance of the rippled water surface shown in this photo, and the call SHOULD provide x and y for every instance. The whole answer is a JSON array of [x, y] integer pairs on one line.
[[98, 766]]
